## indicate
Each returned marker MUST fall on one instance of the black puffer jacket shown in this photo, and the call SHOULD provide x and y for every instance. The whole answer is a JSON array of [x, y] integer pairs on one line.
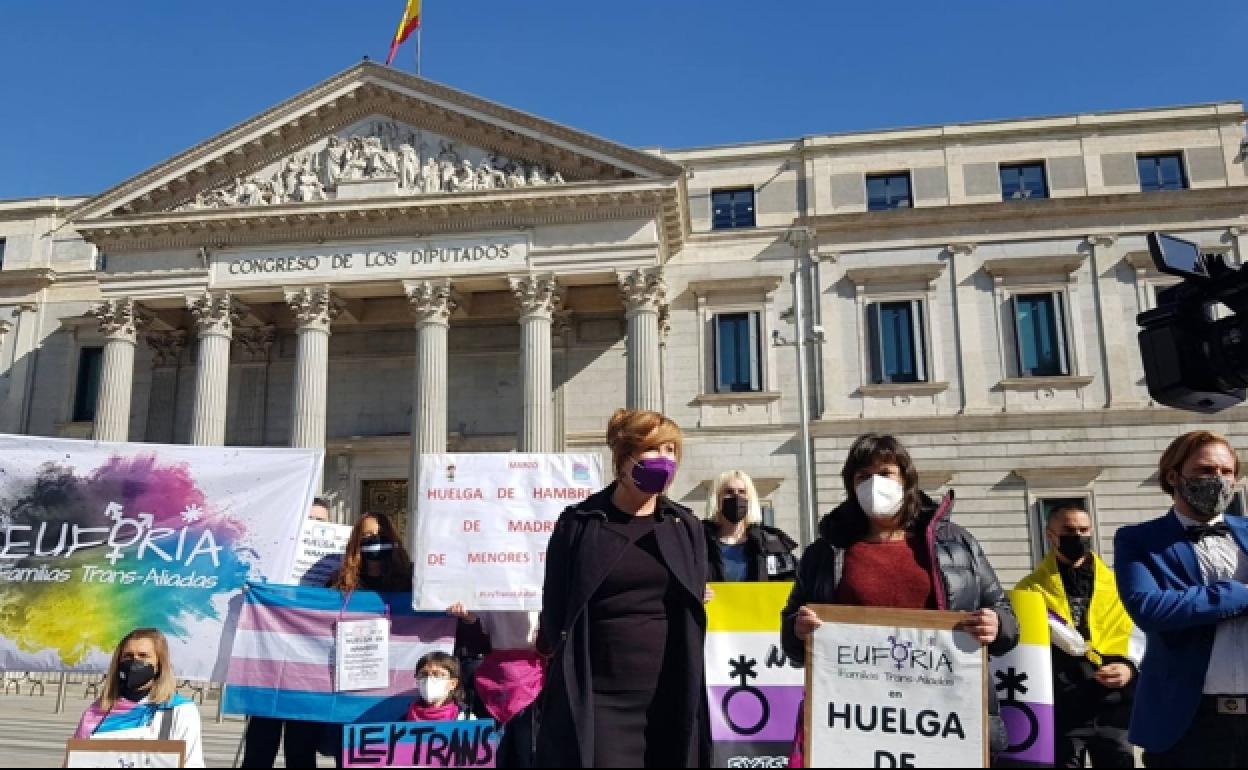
[[769, 550], [962, 577]]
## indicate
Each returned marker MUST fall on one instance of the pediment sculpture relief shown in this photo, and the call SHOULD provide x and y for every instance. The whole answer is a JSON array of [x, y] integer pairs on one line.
[[375, 158]]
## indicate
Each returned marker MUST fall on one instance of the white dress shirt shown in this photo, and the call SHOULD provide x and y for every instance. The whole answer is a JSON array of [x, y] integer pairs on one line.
[[1220, 559]]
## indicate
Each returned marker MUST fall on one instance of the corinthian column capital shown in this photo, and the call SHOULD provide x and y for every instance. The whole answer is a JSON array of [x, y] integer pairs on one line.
[[119, 318], [643, 290], [431, 301], [314, 307], [215, 313], [537, 295]]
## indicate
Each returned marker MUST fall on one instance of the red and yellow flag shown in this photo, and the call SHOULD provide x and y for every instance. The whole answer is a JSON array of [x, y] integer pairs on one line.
[[407, 25]]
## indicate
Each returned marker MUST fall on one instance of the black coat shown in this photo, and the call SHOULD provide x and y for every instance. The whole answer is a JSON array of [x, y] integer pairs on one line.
[[581, 554], [769, 550], [962, 577]]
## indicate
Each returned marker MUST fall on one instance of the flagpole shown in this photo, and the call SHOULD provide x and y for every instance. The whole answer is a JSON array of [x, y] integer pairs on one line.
[[418, 45]]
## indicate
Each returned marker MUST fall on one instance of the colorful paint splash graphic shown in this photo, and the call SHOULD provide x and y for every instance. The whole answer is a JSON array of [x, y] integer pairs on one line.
[[141, 546]]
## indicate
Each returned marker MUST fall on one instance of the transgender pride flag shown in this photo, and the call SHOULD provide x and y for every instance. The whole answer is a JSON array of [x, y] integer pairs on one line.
[[283, 661]]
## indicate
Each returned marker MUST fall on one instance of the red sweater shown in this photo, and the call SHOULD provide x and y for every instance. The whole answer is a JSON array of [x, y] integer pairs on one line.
[[891, 574]]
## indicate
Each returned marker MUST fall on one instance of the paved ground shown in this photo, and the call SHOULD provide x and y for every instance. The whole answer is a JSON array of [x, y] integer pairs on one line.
[[33, 735]]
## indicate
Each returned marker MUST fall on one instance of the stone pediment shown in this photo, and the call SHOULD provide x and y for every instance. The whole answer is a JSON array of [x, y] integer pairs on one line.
[[372, 132], [377, 157]]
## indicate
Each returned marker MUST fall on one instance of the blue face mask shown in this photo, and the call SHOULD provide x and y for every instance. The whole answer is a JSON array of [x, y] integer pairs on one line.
[[652, 475]]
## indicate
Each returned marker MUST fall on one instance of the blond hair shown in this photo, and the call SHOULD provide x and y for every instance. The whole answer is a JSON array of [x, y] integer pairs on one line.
[[1181, 450], [163, 686], [754, 514], [632, 432]]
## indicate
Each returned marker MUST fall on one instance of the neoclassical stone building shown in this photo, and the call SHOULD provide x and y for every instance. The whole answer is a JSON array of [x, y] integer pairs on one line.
[[383, 266]]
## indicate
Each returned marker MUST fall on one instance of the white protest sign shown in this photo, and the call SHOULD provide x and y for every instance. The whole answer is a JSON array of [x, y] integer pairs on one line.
[[895, 694], [321, 547], [362, 655], [81, 752], [484, 521]]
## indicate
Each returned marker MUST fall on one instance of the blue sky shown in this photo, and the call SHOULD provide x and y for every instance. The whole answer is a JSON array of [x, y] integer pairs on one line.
[[94, 91]]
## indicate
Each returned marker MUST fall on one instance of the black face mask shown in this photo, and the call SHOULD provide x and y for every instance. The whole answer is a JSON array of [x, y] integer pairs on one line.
[[135, 675], [1074, 547], [375, 548], [734, 508]]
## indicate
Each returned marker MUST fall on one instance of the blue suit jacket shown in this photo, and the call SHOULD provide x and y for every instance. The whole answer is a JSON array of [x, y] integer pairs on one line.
[[1161, 587]]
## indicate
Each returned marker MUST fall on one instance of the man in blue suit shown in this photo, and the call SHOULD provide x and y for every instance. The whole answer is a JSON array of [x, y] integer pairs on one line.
[[1182, 579]]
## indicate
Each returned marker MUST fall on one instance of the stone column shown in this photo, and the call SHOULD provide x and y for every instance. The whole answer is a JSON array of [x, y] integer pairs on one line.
[[315, 309], [644, 294], [215, 316], [167, 350], [119, 322], [432, 303], [538, 298]]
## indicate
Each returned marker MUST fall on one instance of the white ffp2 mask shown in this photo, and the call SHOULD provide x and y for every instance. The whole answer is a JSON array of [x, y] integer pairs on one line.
[[433, 690], [880, 496]]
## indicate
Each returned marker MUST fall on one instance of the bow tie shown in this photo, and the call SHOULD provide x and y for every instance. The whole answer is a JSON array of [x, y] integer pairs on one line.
[[1202, 531]]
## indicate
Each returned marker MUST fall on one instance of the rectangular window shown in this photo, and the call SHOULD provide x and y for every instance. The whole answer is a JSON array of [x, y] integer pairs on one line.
[[1023, 180], [738, 353], [1040, 334], [1161, 172], [895, 334], [888, 191], [1, 253], [87, 390], [732, 209]]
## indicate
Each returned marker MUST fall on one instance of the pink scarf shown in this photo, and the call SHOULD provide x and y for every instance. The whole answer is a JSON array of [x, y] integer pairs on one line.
[[94, 715], [507, 681], [419, 712]]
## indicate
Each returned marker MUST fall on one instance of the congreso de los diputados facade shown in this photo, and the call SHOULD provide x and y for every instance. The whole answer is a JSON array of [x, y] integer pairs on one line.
[[383, 266]]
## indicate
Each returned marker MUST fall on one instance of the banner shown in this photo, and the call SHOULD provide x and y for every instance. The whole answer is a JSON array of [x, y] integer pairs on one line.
[[321, 547], [895, 688], [99, 539], [1024, 683], [484, 521], [465, 743], [283, 658], [755, 695]]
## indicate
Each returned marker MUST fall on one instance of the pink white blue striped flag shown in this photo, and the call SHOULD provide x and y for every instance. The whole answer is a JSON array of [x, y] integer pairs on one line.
[[282, 664]]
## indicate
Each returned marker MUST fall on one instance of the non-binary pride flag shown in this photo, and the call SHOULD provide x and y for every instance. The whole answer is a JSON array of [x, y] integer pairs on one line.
[[755, 695], [407, 25], [283, 663], [1024, 684]]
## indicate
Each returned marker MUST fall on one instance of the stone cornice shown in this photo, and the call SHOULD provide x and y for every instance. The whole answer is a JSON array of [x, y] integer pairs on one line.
[[1036, 213], [32, 277], [924, 273], [424, 214], [352, 95]]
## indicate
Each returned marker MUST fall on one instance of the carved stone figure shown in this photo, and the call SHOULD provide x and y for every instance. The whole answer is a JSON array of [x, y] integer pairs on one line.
[[249, 193], [467, 178], [332, 158], [536, 177], [356, 162], [515, 177], [309, 186], [409, 167], [556, 178], [446, 173], [430, 179], [379, 162]]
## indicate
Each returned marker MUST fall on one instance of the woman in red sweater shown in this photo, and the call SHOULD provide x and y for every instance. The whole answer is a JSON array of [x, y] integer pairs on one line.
[[890, 545]]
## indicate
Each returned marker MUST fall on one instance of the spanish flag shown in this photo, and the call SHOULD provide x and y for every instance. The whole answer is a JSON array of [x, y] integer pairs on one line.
[[407, 25]]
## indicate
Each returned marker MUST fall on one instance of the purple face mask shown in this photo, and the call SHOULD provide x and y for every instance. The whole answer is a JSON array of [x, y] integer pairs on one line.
[[653, 474]]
